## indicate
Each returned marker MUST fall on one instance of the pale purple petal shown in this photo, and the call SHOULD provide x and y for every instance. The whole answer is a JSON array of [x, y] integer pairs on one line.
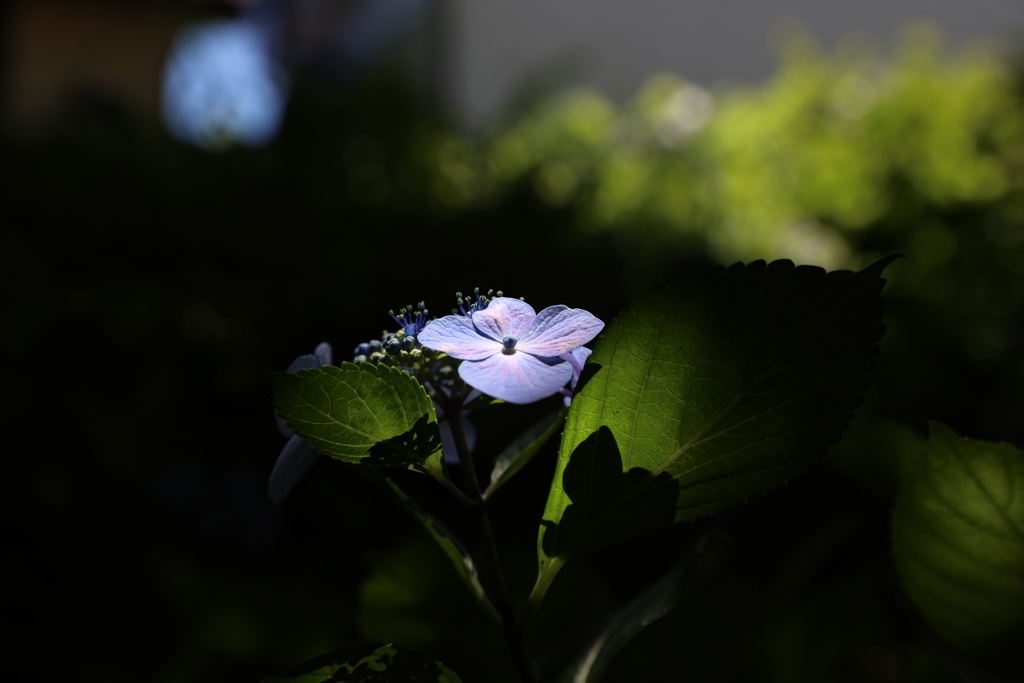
[[504, 317], [324, 354], [470, 430], [576, 359], [557, 330], [456, 336], [292, 465], [517, 377], [448, 447], [282, 426], [306, 362], [450, 450]]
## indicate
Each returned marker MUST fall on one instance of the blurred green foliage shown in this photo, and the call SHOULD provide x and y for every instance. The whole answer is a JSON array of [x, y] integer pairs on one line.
[[833, 155], [837, 161], [958, 543]]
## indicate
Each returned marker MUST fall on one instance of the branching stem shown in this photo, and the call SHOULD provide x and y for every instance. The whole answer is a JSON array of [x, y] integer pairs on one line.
[[513, 633]]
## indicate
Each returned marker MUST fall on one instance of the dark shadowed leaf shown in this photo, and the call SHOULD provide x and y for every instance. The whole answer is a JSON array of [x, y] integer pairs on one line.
[[360, 413], [654, 603], [877, 452], [522, 449], [708, 392], [958, 541], [368, 664], [446, 540]]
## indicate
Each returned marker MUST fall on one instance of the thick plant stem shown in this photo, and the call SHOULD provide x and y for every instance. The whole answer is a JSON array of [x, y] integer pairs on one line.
[[509, 628]]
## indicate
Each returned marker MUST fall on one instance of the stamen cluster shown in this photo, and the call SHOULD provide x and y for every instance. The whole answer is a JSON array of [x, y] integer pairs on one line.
[[468, 305], [411, 320]]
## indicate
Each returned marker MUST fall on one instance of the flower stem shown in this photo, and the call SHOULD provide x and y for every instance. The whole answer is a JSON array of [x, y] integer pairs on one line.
[[465, 458], [514, 635], [458, 494]]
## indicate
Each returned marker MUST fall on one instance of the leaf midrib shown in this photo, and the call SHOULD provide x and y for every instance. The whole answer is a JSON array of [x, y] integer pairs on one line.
[[696, 438]]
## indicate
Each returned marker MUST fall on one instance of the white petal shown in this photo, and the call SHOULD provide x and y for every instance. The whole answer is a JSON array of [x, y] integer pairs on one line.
[[557, 330], [504, 317], [456, 336], [517, 377]]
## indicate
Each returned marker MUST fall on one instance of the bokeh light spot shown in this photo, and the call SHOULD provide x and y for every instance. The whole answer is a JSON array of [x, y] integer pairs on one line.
[[221, 87]]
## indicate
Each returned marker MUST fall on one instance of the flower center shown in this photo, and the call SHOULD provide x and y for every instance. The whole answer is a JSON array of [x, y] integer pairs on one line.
[[510, 345]]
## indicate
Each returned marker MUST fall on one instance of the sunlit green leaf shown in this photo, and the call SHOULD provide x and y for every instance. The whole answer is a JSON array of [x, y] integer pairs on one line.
[[708, 392], [368, 663], [362, 413], [958, 540]]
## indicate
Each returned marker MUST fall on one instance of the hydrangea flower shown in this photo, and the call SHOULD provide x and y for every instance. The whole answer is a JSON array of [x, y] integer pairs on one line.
[[511, 352]]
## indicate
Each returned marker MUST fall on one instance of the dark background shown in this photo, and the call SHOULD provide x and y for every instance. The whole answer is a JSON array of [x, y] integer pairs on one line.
[[151, 285]]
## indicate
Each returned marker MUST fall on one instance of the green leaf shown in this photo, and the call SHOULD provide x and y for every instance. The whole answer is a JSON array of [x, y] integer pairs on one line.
[[958, 542], [878, 452], [367, 664], [522, 449], [448, 542], [362, 413], [706, 393]]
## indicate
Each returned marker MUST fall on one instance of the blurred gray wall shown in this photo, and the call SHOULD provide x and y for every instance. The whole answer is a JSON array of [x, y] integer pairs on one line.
[[617, 44]]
